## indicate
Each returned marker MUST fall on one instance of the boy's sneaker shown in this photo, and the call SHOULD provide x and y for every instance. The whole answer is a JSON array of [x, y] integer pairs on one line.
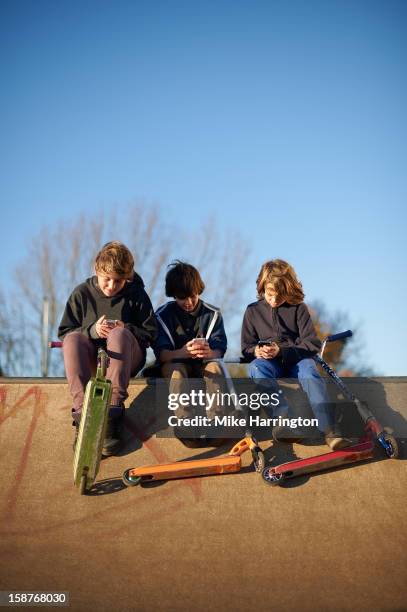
[[114, 429], [282, 433], [336, 442]]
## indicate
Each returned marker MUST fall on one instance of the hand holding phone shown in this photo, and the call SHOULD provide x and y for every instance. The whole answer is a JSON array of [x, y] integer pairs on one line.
[[199, 348], [266, 343], [267, 349]]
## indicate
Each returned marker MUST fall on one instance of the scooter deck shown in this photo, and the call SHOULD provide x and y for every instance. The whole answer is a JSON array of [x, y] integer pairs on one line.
[[92, 429], [291, 469], [187, 469]]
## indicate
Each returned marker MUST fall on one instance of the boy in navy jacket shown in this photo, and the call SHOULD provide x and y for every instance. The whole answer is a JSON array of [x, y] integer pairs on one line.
[[191, 334]]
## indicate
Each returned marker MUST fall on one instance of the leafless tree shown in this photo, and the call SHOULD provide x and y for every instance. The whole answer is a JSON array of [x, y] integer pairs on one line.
[[61, 256], [15, 345]]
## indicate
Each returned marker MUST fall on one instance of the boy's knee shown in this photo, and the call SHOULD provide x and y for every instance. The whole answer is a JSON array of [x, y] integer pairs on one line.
[[262, 368], [174, 371], [120, 339], [212, 367], [255, 368], [307, 369], [120, 333], [74, 338]]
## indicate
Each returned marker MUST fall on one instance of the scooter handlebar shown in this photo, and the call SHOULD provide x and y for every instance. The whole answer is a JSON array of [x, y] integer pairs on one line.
[[346, 334]]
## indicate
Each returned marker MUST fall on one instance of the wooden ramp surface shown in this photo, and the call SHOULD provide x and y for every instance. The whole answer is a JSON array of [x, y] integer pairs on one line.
[[333, 541]]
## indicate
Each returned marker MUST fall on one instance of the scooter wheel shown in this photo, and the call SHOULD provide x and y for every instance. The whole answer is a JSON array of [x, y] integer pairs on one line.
[[272, 478], [259, 459], [130, 481], [393, 448], [104, 362]]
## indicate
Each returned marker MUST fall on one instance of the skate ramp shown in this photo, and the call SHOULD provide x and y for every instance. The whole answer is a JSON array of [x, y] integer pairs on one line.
[[332, 541]]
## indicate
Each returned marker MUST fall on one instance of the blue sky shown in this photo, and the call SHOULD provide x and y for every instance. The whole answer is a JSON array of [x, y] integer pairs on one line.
[[285, 120]]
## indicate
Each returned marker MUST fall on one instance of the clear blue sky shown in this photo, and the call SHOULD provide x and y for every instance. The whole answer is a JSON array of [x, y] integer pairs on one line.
[[287, 120]]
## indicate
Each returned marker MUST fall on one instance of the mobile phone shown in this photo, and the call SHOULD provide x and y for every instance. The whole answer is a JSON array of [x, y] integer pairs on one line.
[[199, 340], [266, 342], [111, 322]]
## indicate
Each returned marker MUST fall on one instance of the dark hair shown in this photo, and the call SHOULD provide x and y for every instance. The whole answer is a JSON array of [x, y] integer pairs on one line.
[[183, 280]]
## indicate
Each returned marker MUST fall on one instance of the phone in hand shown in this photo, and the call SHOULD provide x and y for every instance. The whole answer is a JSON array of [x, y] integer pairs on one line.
[[199, 340], [111, 322], [267, 343]]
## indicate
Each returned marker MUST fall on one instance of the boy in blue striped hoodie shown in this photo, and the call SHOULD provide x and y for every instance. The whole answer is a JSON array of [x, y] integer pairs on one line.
[[191, 334]]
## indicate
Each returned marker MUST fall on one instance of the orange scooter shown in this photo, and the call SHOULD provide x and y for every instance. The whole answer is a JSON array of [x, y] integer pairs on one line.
[[202, 467]]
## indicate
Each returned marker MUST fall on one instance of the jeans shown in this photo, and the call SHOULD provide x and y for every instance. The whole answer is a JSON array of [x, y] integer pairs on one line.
[[265, 372]]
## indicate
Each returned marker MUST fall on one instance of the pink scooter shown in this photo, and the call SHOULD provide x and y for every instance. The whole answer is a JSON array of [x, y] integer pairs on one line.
[[360, 451]]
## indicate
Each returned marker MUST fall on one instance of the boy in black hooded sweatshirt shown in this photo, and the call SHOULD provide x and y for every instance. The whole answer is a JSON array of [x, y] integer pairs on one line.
[[282, 320], [110, 310]]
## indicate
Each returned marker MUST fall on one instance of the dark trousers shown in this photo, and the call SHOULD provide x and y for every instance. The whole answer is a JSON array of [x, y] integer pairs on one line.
[[80, 358]]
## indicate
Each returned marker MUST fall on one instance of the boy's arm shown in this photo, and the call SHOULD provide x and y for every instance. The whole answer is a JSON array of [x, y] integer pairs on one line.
[[172, 355], [307, 343], [164, 351], [163, 346], [72, 319], [249, 337], [145, 329], [217, 340]]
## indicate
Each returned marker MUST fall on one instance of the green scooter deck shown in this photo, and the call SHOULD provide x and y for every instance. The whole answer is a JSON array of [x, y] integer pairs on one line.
[[92, 430]]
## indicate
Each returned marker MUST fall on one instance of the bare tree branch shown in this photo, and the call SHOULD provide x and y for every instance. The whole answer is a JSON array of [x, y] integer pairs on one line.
[[61, 256]]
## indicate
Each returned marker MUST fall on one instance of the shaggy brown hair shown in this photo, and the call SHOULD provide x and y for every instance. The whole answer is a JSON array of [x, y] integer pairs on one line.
[[115, 257], [284, 280]]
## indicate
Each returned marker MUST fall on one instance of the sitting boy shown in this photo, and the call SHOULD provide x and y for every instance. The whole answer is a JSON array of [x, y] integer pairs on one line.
[[110, 310], [279, 338], [180, 322]]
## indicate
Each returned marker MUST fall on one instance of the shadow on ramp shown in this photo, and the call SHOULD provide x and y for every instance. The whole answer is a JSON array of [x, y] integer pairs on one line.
[[106, 487]]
